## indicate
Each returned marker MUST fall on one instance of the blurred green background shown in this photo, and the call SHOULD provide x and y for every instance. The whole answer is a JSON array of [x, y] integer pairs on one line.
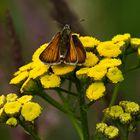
[[27, 24]]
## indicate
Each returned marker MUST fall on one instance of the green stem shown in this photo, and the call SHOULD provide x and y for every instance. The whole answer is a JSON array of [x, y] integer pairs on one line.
[[83, 111], [124, 133], [29, 130], [132, 68], [66, 91], [115, 94], [74, 121]]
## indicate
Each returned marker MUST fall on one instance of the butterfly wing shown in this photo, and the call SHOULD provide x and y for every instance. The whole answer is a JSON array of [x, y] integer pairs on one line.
[[71, 55], [81, 53], [51, 55]]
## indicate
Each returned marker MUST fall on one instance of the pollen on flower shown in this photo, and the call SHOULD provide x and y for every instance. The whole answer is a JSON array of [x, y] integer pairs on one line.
[[24, 99], [95, 91], [12, 108], [11, 97], [12, 122], [19, 78], [2, 100], [50, 81], [89, 42], [115, 75], [125, 37], [108, 49], [62, 69], [91, 59], [110, 62], [97, 72], [30, 111]]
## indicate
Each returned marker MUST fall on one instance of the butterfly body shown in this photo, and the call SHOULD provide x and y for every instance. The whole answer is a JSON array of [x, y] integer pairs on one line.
[[64, 48]]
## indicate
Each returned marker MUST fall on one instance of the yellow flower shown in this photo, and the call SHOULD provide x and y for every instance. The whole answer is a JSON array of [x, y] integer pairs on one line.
[[62, 69], [115, 75], [19, 78], [113, 112], [111, 132], [89, 42], [100, 127], [11, 97], [12, 122], [30, 111], [95, 91], [91, 59], [110, 62], [97, 72], [138, 50], [24, 99], [125, 37], [2, 100], [81, 73], [50, 81], [135, 42], [121, 45], [35, 57], [108, 49], [125, 118], [26, 67], [38, 70], [12, 108]]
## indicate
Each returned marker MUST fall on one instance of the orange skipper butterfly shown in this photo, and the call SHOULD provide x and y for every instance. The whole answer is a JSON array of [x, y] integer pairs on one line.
[[64, 47]]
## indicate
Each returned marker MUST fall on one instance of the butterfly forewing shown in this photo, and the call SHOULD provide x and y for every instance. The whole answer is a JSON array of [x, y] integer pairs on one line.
[[71, 55], [51, 55], [81, 53]]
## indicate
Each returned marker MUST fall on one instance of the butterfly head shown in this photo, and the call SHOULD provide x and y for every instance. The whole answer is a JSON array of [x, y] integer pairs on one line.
[[66, 29]]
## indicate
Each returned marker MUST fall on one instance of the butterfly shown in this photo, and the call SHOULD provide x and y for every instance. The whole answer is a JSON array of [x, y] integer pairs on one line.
[[65, 47]]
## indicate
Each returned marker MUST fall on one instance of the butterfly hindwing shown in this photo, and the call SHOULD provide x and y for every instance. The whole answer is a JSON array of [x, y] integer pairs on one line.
[[51, 55], [71, 54], [81, 53]]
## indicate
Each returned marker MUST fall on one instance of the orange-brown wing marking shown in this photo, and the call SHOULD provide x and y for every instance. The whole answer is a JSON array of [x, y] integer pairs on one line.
[[81, 53], [51, 55], [71, 55]]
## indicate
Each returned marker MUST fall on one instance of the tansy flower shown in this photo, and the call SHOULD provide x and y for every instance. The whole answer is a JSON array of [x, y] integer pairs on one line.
[[11, 97], [125, 118], [12, 122], [115, 75], [113, 112], [2, 100], [12, 108], [111, 132], [81, 73], [91, 59], [135, 42], [108, 49], [95, 91], [26, 67], [24, 99], [30, 111], [138, 50], [97, 72], [1, 111], [125, 37], [100, 127], [62, 69], [121, 45], [89, 42], [50, 81], [19, 78], [38, 70], [110, 62]]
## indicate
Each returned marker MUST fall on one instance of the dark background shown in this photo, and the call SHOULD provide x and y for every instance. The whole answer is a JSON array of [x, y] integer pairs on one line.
[[27, 24]]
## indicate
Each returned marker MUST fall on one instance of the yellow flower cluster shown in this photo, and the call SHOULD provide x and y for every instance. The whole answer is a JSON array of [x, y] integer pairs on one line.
[[13, 108], [101, 65], [125, 112], [108, 131]]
